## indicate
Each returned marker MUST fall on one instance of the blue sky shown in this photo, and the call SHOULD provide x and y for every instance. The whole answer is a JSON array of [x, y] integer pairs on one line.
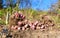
[[43, 4], [38, 4]]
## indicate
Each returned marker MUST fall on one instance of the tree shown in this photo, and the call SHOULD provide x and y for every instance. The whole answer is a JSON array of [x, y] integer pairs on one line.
[[54, 7], [1, 4]]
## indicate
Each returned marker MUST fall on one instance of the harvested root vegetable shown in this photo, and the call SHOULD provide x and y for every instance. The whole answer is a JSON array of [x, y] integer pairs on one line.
[[23, 24], [30, 24], [32, 27], [36, 23], [16, 27], [21, 16], [42, 27], [12, 27], [25, 21], [26, 25], [46, 17], [37, 27], [51, 24], [19, 28], [20, 23], [16, 15], [23, 28]]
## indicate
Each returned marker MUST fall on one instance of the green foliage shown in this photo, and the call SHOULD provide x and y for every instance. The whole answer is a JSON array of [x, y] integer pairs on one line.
[[2, 22], [1, 13], [58, 11]]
